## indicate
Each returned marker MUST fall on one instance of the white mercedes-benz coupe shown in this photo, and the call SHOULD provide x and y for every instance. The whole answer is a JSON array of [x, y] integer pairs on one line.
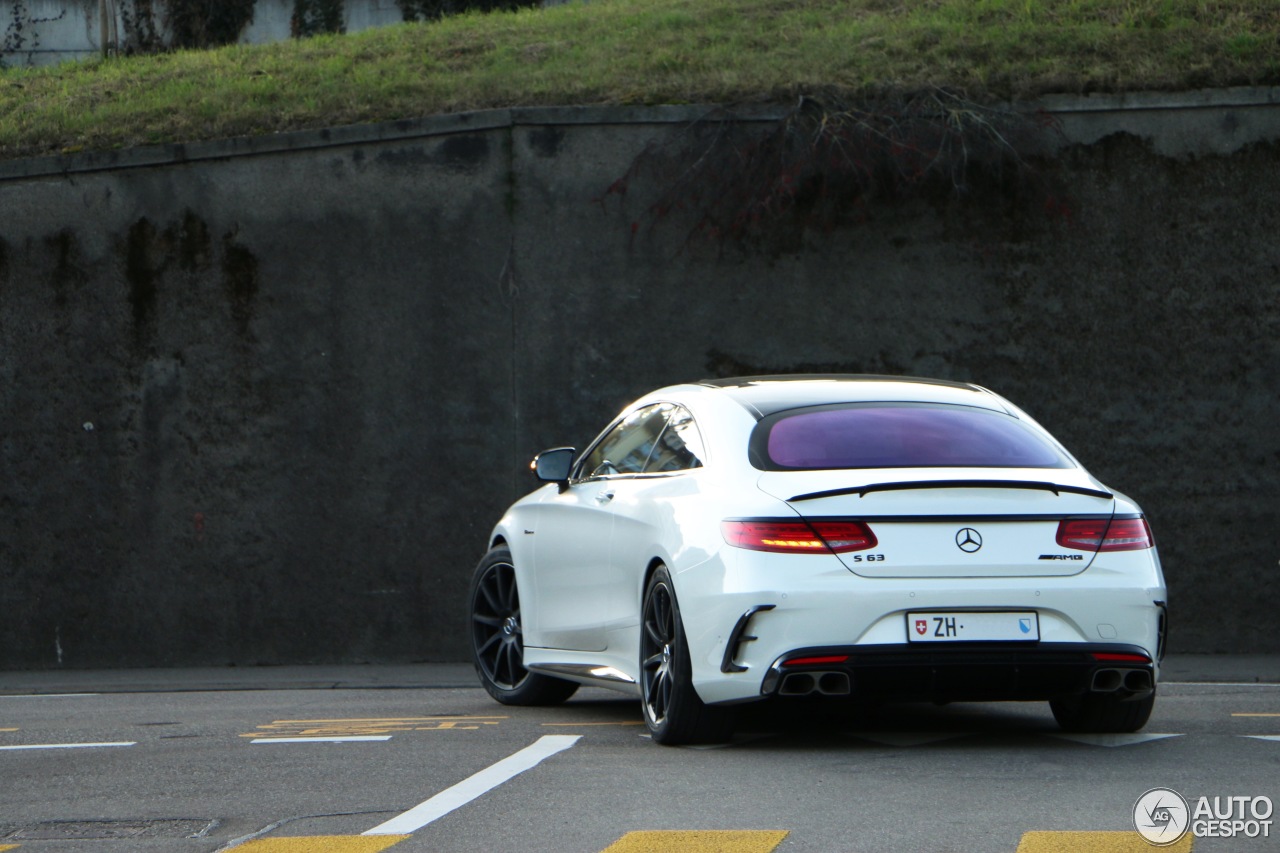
[[869, 537]]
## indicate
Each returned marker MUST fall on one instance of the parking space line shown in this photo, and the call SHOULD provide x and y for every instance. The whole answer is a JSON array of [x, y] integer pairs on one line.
[[1095, 842], [475, 786], [698, 841], [322, 844], [68, 745]]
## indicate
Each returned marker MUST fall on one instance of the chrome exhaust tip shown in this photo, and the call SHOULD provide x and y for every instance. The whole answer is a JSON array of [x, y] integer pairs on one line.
[[822, 683], [798, 684], [834, 684], [1137, 681], [1107, 681]]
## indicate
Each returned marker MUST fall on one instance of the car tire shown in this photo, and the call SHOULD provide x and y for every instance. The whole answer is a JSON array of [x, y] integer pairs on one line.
[[673, 710], [1102, 713], [497, 638]]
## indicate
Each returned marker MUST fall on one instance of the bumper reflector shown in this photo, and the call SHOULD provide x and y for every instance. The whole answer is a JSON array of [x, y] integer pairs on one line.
[[1124, 658], [816, 661]]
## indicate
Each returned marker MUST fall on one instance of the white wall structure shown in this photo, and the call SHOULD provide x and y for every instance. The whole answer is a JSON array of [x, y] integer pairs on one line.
[[45, 32], [42, 32]]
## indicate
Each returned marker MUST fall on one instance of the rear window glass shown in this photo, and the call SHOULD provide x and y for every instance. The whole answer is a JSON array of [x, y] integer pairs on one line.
[[898, 435]]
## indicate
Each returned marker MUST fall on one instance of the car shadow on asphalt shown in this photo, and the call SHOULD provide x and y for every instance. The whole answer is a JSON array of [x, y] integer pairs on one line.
[[802, 719], [788, 716]]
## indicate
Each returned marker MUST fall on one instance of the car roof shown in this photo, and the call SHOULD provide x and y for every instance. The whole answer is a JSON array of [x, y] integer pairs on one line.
[[765, 395]]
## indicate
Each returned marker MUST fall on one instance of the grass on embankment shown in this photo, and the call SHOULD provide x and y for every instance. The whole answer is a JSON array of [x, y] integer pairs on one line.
[[643, 51]]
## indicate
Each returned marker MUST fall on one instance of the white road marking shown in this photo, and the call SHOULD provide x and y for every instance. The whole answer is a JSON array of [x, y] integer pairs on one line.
[[69, 745], [1269, 684], [48, 695], [475, 786], [342, 739], [1112, 740], [1263, 737]]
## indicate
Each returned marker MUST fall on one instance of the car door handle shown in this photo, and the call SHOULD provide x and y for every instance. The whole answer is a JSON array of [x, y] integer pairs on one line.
[[604, 497]]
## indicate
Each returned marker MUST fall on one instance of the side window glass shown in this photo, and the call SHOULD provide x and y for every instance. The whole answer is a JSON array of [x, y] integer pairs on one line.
[[679, 448], [626, 448]]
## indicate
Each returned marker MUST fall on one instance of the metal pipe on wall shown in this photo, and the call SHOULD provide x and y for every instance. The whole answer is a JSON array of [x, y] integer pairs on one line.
[[108, 31]]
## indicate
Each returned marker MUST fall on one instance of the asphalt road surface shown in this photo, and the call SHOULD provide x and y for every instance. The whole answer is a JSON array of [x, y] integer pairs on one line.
[[447, 769]]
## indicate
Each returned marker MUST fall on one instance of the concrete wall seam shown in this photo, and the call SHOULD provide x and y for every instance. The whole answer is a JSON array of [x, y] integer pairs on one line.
[[1176, 121]]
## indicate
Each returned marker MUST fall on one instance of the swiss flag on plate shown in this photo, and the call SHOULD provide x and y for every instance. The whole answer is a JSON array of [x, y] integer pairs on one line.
[[922, 625]]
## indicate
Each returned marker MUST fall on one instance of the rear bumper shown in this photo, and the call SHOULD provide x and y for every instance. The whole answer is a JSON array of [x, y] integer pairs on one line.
[[745, 610], [962, 672]]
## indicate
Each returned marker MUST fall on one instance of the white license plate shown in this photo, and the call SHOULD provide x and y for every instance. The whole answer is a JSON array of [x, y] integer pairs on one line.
[[967, 626]]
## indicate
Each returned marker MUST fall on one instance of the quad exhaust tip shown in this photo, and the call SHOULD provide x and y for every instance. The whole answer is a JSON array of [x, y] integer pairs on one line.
[[1107, 681], [1137, 681], [1121, 680], [822, 683]]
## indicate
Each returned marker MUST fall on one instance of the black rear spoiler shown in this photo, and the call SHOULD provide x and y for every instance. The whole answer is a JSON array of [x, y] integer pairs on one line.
[[863, 491]]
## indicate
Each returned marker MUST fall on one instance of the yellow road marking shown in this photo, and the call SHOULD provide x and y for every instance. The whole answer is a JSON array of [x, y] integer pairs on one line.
[[323, 844], [716, 841], [4, 847], [622, 723], [698, 841], [7, 730], [365, 726], [399, 719], [1095, 842]]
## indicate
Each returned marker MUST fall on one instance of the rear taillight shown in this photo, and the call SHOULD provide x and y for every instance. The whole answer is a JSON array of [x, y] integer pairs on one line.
[[798, 537], [1105, 534]]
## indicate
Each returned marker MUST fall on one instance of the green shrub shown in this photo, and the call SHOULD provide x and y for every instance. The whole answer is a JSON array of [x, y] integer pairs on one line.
[[206, 23], [313, 17]]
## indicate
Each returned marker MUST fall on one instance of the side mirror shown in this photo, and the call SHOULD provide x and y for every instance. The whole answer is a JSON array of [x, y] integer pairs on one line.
[[553, 466]]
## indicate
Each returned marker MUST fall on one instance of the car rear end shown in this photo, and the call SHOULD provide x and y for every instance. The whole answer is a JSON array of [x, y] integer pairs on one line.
[[920, 549]]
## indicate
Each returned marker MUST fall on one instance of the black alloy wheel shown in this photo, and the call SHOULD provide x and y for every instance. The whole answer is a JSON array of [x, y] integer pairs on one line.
[[673, 710], [655, 653], [497, 639]]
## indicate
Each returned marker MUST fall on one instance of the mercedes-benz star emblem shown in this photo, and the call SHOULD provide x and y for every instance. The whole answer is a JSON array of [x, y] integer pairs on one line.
[[968, 540]]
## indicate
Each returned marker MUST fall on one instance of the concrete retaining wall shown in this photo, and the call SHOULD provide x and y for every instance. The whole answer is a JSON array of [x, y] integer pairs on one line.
[[263, 399]]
